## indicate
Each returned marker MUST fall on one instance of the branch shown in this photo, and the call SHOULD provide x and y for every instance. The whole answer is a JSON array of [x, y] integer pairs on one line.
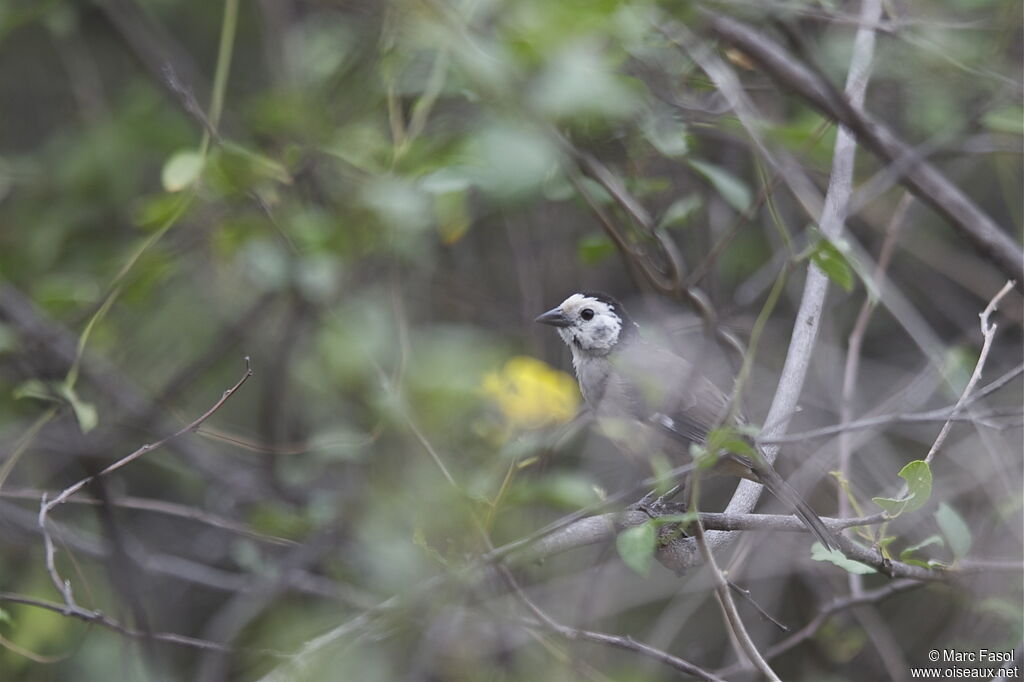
[[682, 554], [181, 511], [103, 620], [941, 414], [618, 641], [603, 527], [839, 604], [855, 343], [178, 568], [45, 507], [42, 332], [923, 179], [672, 282], [988, 332], [732, 615]]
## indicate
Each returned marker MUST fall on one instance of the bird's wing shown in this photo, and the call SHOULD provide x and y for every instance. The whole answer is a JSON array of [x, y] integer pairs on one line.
[[652, 383]]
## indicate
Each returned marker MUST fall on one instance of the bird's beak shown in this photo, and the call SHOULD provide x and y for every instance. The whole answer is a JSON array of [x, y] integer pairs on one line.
[[554, 317]]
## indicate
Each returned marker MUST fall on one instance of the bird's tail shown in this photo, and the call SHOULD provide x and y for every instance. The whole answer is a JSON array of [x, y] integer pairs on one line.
[[770, 479]]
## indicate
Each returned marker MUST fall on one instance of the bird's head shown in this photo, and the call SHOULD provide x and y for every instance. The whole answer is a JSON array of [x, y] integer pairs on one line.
[[590, 323]]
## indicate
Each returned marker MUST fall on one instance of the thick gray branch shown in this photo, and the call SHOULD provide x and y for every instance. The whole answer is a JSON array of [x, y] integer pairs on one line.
[[923, 179]]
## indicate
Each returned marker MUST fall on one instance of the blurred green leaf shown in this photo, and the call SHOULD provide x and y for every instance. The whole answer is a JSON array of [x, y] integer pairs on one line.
[[362, 144], [733, 190], [451, 210], [578, 82], [35, 389], [834, 556], [316, 46], [154, 211], [181, 170], [319, 277], [833, 263], [85, 412], [8, 338], [955, 530], [340, 443], [704, 457], [233, 169], [265, 264], [512, 159], [446, 180], [1008, 611], [730, 440], [907, 555], [666, 133], [398, 203], [595, 248], [1008, 119], [562, 490], [636, 546], [596, 192], [688, 517], [680, 211], [918, 477]]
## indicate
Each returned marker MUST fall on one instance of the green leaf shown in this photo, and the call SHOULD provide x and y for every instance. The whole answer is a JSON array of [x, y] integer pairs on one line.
[[5, 617], [1006, 609], [882, 543], [233, 169], [451, 210], [636, 547], [955, 529], [594, 249], [512, 159], [34, 388], [260, 165], [918, 476], [85, 412], [154, 211], [578, 81], [907, 555], [834, 556], [445, 181], [733, 190], [703, 457], [729, 440], [1008, 119], [597, 193], [833, 263], [679, 211], [688, 517], [667, 134], [565, 491], [181, 170]]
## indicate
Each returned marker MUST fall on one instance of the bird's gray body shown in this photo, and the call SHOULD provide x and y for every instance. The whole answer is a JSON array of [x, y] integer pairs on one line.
[[666, 402]]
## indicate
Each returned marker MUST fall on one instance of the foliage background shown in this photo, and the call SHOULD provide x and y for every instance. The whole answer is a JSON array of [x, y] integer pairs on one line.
[[392, 192]]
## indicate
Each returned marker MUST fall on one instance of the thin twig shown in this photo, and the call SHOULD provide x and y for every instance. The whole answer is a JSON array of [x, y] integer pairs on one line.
[[101, 619], [988, 332], [851, 369], [839, 604], [160, 507], [617, 641], [923, 179], [45, 506], [732, 615], [941, 414]]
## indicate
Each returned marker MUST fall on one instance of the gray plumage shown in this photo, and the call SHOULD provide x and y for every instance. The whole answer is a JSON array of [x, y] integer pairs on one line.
[[664, 399]]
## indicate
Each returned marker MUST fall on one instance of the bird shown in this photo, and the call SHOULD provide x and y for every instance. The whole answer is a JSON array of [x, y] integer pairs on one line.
[[626, 380]]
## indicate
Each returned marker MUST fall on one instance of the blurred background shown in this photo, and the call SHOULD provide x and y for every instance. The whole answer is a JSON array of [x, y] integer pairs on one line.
[[372, 201]]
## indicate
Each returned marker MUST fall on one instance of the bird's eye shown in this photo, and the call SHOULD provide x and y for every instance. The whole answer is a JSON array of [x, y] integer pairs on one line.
[[587, 314]]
